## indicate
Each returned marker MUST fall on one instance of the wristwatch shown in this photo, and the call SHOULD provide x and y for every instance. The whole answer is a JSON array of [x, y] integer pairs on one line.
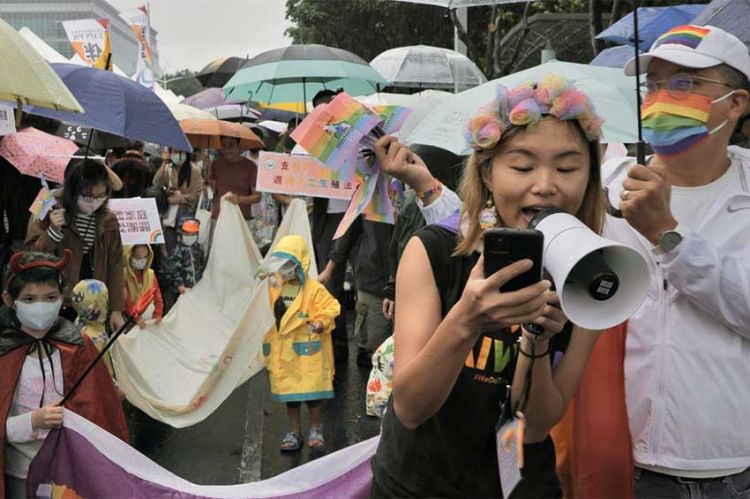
[[670, 239]]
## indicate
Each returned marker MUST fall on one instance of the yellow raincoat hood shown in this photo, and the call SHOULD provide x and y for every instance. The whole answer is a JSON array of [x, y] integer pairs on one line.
[[136, 289], [294, 248]]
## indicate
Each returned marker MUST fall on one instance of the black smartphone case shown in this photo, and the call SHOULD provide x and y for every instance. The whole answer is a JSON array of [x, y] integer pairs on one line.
[[503, 247]]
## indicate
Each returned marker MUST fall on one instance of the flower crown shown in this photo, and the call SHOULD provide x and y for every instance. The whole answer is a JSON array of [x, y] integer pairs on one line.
[[526, 105]]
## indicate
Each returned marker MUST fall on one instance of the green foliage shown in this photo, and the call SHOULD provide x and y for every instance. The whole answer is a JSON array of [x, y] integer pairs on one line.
[[183, 82]]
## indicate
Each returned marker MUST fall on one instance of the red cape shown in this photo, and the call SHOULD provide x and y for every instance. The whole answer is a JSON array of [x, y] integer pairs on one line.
[[95, 399]]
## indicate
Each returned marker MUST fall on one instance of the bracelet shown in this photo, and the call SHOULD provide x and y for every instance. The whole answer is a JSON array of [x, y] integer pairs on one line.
[[436, 188], [531, 356]]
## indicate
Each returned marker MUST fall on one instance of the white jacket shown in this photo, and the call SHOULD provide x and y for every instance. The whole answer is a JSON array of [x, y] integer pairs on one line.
[[687, 362]]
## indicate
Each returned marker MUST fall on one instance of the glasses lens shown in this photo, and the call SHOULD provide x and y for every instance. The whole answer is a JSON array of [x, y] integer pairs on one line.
[[680, 85]]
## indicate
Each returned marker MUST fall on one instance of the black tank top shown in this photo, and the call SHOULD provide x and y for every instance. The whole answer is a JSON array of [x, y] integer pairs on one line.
[[453, 453]]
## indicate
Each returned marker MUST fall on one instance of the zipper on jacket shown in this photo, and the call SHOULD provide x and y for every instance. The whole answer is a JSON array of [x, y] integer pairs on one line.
[[659, 401]]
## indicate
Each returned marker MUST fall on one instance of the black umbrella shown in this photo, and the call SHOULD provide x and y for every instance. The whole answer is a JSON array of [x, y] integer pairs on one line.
[[217, 73], [309, 52]]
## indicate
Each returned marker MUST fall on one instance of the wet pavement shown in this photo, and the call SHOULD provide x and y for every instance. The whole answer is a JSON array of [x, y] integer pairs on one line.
[[239, 442]]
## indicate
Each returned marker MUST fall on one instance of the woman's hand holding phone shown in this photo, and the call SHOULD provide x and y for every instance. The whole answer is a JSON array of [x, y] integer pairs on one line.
[[483, 307], [552, 318]]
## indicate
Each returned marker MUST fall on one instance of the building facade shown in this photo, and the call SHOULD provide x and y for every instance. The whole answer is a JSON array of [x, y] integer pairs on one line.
[[44, 17]]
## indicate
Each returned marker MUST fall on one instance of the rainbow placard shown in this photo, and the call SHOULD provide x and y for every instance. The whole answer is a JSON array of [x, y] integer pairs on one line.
[[43, 203], [393, 117], [371, 199], [139, 220], [332, 133], [297, 175]]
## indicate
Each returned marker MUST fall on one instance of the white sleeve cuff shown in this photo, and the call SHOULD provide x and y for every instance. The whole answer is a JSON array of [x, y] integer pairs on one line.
[[55, 235], [443, 207], [19, 430]]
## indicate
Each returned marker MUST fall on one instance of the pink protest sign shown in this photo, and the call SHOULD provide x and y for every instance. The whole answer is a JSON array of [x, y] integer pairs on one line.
[[301, 176], [38, 154]]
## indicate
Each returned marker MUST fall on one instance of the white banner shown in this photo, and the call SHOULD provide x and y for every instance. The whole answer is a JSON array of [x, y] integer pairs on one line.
[[90, 40], [138, 21], [139, 220]]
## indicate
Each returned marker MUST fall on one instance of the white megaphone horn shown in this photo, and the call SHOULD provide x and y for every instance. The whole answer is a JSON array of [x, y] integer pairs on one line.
[[600, 283]]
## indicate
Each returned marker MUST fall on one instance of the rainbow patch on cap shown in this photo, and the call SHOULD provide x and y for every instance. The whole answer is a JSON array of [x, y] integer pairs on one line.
[[689, 36]]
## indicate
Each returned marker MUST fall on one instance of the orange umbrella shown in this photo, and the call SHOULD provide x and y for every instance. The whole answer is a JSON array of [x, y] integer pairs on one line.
[[207, 133]]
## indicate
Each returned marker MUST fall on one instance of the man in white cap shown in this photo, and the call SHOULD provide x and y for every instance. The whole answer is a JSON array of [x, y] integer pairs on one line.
[[687, 360]]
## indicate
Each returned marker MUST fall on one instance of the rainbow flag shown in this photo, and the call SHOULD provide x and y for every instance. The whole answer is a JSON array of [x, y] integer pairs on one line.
[[380, 207], [332, 133], [43, 202], [393, 117], [689, 36]]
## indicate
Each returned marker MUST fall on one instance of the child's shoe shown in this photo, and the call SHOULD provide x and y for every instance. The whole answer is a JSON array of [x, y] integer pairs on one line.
[[292, 442], [315, 440]]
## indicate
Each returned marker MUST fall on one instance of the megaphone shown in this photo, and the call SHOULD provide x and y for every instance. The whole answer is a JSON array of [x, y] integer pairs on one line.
[[600, 283]]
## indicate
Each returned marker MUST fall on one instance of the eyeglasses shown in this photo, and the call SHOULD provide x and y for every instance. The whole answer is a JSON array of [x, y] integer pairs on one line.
[[88, 198], [678, 85]]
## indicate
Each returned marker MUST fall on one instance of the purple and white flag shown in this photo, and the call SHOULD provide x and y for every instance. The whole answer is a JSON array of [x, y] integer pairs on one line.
[[82, 460]]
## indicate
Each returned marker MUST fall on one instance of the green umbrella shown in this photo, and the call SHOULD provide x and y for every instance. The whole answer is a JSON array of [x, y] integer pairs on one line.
[[27, 79], [296, 73]]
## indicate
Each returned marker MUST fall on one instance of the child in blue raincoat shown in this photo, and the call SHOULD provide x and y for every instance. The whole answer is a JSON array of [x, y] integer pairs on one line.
[[298, 347]]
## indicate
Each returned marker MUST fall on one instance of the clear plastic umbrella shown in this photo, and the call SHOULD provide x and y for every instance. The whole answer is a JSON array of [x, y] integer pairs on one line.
[[609, 89], [423, 66]]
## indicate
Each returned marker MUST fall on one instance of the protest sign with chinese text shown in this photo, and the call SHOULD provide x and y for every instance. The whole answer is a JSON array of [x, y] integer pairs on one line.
[[301, 176], [139, 220], [90, 40]]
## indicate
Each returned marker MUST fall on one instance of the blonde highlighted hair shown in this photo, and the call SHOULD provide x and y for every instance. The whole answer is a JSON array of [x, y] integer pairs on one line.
[[475, 194]]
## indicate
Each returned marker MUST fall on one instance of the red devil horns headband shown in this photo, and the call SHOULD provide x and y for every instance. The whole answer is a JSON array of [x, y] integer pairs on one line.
[[15, 267]]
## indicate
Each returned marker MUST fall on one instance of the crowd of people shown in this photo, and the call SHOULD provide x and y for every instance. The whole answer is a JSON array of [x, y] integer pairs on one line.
[[462, 353]]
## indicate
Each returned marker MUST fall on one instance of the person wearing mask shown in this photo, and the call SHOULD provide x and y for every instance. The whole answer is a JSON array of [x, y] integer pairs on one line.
[[183, 182], [82, 224], [42, 355]]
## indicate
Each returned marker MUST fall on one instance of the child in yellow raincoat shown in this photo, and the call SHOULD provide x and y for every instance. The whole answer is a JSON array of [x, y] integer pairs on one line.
[[91, 300], [298, 347]]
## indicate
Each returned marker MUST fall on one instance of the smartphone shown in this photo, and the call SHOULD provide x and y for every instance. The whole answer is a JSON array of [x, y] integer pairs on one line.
[[503, 247]]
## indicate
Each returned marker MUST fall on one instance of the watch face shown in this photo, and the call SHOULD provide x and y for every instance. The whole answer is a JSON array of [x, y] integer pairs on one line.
[[670, 240]]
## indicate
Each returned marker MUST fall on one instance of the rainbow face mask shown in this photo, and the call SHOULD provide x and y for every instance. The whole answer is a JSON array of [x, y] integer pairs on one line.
[[673, 126]]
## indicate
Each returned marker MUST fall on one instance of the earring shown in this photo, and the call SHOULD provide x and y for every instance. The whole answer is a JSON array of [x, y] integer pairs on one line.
[[488, 216]]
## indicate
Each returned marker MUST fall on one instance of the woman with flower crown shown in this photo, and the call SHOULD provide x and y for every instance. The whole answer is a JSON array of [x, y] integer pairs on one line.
[[461, 358]]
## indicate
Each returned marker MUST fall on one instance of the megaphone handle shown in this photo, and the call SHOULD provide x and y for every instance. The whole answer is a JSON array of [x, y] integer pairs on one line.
[[532, 328]]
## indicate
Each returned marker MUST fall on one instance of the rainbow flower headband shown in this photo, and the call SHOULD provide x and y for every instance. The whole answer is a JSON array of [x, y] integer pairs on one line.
[[526, 105]]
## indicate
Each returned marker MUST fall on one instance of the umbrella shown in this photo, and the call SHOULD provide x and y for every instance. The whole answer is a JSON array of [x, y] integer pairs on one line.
[[729, 15], [38, 154], [613, 57], [423, 66], [652, 23], [420, 104], [297, 72], [208, 133], [117, 105], [208, 98], [93, 139], [27, 79], [185, 112], [457, 4], [217, 73], [234, 112], [609, 89]]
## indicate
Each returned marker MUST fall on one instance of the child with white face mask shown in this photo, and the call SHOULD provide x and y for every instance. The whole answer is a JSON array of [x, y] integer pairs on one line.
[[139, 279], [41, 356], [187, 261]]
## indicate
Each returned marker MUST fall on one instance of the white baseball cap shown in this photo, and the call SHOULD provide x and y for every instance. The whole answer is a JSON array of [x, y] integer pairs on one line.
[[696, 47]]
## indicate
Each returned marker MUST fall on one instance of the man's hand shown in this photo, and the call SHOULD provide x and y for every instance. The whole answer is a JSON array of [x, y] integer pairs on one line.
[[181, 290], [57, 218], [389, 308], [47, 418], [645, 201], [233, 198]]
